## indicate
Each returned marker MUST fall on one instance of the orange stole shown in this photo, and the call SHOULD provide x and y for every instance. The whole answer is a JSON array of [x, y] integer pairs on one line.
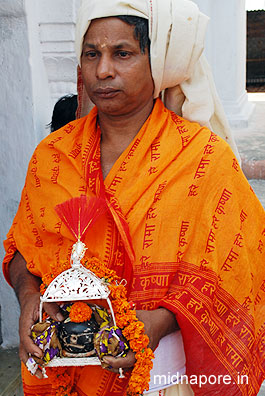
[[197, 230]]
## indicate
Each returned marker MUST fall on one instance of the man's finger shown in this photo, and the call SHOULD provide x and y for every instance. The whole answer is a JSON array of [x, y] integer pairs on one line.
[[27, 346], [27, 349], [122, 362], [38, 374], [30, 348], [23, 355]]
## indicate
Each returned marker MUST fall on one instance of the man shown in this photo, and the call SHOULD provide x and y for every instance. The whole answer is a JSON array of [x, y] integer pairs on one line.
[[197, 230]]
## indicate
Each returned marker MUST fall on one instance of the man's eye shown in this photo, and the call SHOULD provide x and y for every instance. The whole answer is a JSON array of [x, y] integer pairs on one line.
[[90, 54], [123, 54]]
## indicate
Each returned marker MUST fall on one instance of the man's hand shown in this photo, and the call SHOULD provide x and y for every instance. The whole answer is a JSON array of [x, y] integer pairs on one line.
[[28, 317], [157, 324], [26, 287]]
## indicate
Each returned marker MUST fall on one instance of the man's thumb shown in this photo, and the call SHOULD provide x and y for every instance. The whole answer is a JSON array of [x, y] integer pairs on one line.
[[53, 310]]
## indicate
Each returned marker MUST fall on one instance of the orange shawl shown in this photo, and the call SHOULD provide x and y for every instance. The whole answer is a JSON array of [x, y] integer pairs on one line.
[[196, 227]]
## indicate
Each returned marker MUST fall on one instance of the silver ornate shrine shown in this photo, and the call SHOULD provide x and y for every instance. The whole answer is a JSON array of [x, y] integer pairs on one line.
[[76, 284]]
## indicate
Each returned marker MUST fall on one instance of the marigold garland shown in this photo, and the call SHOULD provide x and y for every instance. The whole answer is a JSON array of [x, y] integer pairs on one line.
[[125, 314]]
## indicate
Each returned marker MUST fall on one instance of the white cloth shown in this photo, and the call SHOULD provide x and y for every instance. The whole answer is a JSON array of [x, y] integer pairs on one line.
[[175, 390], [180, 71], [169, 362]]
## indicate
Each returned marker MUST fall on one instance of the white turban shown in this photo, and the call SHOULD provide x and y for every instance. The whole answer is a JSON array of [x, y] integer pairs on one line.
[[180, 71]]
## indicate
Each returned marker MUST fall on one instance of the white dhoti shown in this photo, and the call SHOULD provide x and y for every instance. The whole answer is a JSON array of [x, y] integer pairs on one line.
[[175, 390], [169, 368]]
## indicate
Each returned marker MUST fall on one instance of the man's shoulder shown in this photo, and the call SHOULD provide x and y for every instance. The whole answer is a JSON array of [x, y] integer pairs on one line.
[[63, 143], [193, 139], [68, 132], [57, 150], [192, 132]]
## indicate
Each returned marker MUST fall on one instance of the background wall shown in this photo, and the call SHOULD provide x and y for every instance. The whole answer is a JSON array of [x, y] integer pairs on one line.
[[22, 126]]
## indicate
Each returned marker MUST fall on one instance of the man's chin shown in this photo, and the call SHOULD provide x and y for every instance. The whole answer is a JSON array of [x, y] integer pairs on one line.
[[110, 107]]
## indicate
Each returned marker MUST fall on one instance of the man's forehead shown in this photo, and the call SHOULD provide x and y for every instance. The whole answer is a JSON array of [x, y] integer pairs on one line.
[[105, 43], [110, 30]]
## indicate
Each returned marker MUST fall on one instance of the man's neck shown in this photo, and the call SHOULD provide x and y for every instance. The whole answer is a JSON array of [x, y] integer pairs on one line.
[[121, 130], [118, 132]]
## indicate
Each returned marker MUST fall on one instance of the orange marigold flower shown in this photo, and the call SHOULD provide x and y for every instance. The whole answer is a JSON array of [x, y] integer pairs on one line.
[[145, 356], [80, 312], [121, 307], [118, 291], [43, 288], [135, 329], [139, 343], [121, 320], [135, 386], [47, 278]]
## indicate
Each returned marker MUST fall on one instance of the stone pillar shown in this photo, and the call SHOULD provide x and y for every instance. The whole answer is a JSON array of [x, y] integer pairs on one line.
[[41, 98], [57, 35], [226, 52]]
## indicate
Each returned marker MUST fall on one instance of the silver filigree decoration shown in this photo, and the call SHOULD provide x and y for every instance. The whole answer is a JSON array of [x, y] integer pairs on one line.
[[76, 284]]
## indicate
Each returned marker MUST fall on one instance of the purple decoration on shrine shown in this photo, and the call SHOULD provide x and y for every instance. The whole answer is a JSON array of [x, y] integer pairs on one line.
[[49, 335], [119, 332], [54, 352], [41, 338], [111, 333], [122, 346], [103, 348], [38, 342]]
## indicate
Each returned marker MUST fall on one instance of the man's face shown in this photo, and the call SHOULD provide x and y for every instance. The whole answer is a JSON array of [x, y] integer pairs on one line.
[[116, 75]]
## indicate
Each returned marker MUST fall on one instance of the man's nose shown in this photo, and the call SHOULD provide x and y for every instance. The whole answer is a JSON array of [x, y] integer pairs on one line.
[[105, 67]]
